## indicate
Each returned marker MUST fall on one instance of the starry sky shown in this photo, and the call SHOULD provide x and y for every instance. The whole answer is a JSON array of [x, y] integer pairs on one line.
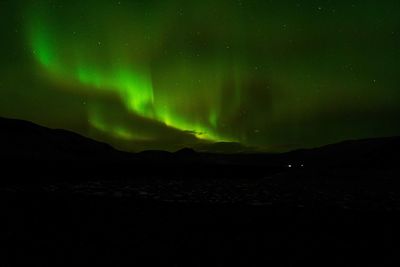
[[167, 74]]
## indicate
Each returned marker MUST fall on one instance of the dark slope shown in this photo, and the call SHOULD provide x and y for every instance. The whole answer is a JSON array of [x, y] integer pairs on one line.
[[365, 153], [25, 140]]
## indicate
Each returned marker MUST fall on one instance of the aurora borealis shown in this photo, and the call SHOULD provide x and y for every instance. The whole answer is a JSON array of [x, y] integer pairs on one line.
[[168, 74]]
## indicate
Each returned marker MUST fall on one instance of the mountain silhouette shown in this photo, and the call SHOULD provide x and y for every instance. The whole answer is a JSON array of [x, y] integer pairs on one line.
[[25, 140], [371, 153]]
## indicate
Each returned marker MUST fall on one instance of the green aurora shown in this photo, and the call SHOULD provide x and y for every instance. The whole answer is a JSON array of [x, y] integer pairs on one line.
[[168, 74]]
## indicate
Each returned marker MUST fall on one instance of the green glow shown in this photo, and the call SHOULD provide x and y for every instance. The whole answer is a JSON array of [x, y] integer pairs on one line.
[[134, 88], [172, 73], [132, 82], [42, 48], [137, 91], [114, 129]]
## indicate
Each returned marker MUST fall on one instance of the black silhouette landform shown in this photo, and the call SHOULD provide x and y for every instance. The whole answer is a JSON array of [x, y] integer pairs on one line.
[[68, 199]]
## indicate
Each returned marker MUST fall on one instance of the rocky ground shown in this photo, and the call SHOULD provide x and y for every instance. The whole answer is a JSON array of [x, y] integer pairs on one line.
[[292, 189], [285, 219]]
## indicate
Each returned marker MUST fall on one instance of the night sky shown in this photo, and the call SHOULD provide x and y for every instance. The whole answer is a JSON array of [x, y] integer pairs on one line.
[[168, 74]]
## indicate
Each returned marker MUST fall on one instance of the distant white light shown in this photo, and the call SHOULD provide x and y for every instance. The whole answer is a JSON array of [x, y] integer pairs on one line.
[[290, 165], [302, 165]]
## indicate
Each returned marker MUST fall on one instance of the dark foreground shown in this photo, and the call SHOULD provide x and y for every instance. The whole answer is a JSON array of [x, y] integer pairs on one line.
[[66, 199], [284, 219]]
